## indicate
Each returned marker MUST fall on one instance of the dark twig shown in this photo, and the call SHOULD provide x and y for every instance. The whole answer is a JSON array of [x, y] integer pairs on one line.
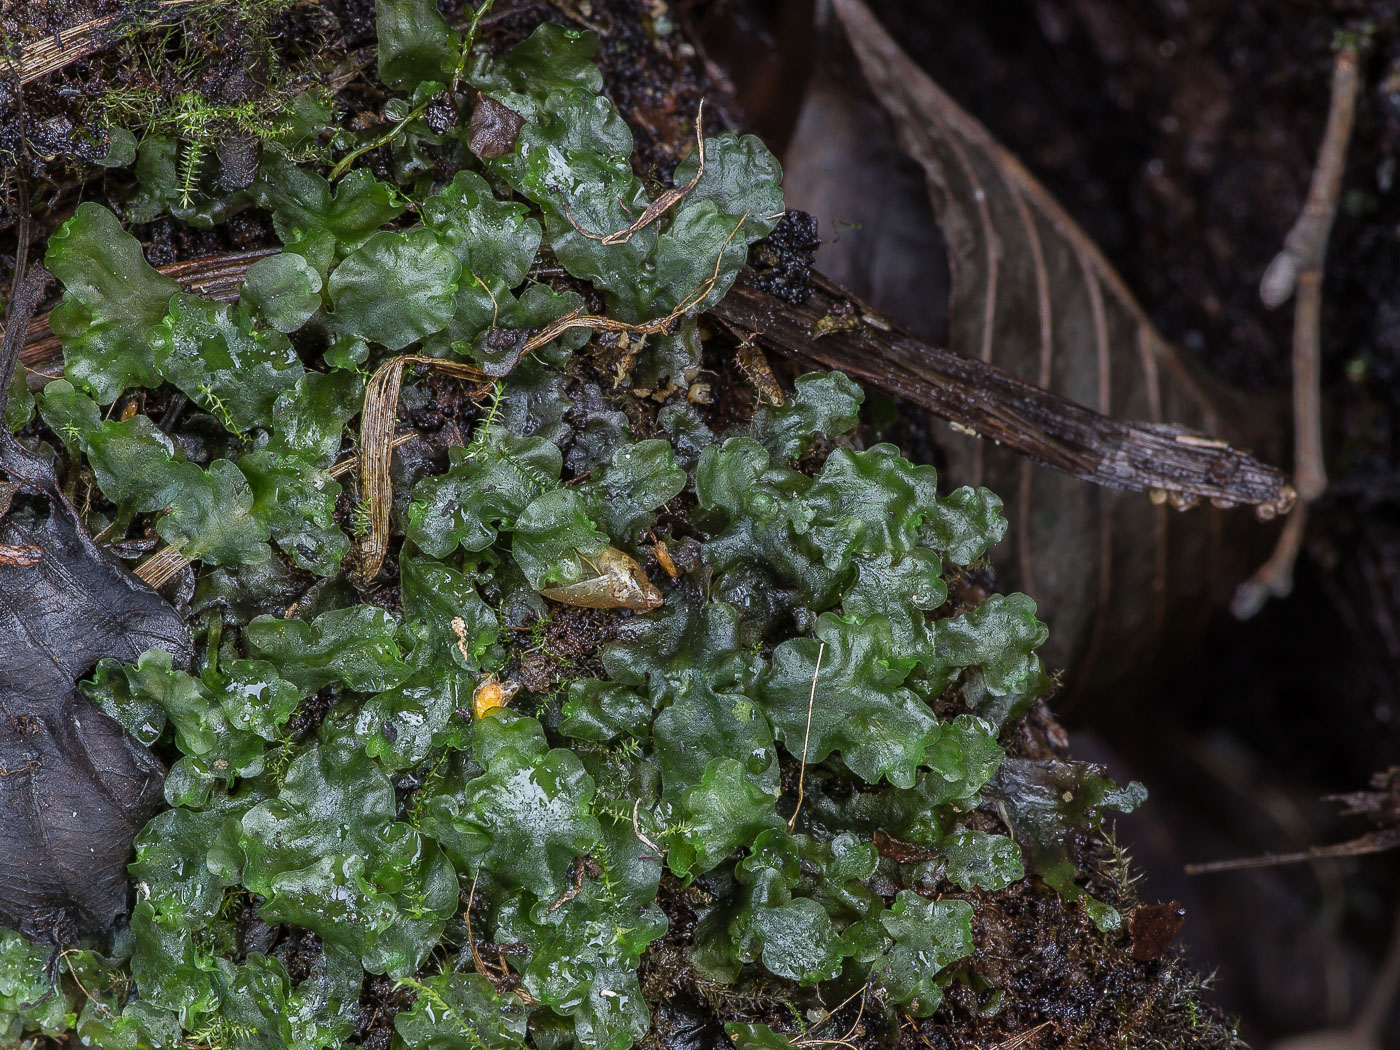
[[1297, 270], [1162, 460], [836, 330]]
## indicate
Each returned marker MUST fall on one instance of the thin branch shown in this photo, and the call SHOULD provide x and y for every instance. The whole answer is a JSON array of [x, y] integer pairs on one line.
[[1171, 463], [1297, 270], [1374, 842], [836, 330]]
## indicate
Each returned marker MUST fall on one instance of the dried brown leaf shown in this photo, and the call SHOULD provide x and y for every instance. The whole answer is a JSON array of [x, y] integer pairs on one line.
[[1032, 294]]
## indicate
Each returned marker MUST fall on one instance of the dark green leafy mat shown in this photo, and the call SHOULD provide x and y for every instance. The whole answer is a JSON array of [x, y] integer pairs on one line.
[[756, 775]]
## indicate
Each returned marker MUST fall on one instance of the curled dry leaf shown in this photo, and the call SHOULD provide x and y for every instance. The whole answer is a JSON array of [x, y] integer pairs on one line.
[[1152, 929], [1032, 294], [74, 787]]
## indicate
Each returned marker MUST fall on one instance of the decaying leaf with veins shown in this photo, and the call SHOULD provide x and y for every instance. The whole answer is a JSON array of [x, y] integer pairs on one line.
[[1032, 294], [618, 583]]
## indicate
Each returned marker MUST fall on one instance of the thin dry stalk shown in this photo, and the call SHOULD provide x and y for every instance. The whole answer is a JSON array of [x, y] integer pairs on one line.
[[641, 835], [1374, 842], [376, 440], [657, 208], [1022, 1038], [806, 737], [1297, 270], [162, 567], [39, 58]]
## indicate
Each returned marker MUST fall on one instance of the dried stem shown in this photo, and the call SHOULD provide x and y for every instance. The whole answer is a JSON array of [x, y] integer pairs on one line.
[[807, 736], [1273, 579], [1375, 842], [1297, 270], [1169, 462], [216, 277], [38, 58], [376, 434], [377, 445], [980, 397]]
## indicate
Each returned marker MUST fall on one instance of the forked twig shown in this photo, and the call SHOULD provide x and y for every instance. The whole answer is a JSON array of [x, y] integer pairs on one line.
[[1297, 270], [981, 397]]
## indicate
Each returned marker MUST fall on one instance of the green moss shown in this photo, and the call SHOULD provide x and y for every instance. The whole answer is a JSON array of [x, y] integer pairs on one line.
[[740, 744]]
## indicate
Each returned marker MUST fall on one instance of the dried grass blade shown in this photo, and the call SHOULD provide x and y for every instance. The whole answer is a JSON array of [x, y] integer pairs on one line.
[[376, 439], [39, 58]]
